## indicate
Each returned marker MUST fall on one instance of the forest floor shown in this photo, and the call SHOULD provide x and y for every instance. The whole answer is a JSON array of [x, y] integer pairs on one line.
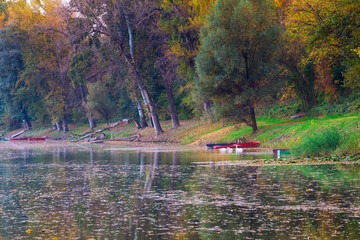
[[273, 132]]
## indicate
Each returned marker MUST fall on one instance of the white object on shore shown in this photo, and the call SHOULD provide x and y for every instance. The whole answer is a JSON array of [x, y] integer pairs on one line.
[[239, 150]]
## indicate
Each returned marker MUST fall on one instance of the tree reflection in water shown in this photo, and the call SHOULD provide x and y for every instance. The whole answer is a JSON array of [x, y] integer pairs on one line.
[[73, 193]]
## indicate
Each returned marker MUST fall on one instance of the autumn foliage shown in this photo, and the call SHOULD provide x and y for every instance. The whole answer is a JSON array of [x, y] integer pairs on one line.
[[173, 59]]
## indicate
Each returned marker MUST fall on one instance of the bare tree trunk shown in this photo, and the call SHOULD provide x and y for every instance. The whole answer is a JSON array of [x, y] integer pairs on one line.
[[130, 60], [170, 97], [92, 122], [26, 119], [143, 90], [142, 119], [58, 126], [65, 124], [88, 112], [27, 123], [253, 119]]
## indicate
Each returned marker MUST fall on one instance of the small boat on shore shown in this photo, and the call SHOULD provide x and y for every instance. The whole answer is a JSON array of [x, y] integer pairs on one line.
[[26, 139], [238, 145], [211, 145]]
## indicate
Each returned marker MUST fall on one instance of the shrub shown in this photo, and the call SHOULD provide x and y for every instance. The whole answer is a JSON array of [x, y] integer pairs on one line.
[[350, 145], [320, 143]]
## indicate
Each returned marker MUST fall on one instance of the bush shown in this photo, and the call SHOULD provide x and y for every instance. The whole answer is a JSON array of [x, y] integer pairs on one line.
[[320, 143], [350, 145]]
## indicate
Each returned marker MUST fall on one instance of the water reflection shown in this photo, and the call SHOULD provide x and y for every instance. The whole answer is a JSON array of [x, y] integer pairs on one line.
[[69, 193]]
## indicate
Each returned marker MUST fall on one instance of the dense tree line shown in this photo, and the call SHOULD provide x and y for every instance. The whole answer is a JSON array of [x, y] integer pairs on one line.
[[92, 60]]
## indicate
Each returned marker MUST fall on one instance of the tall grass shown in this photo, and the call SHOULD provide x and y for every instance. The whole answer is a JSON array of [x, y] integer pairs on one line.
[[320, 143]]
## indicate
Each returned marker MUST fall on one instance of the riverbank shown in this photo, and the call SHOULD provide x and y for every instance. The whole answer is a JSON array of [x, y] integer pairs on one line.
[[272, 133]]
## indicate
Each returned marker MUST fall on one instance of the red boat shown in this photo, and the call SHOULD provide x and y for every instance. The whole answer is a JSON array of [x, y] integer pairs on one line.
[[27, 139], [239, 145]]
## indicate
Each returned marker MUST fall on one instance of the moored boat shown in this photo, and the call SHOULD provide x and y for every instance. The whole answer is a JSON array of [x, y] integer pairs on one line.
[[27, 139], [238, 145], [211, 145]]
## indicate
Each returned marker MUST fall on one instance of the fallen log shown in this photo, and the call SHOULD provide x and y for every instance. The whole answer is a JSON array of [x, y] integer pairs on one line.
[[93, 133], [19, 133], [298, 115]]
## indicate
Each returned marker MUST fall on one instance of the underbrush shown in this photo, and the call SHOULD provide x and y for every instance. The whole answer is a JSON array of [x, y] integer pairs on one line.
[[319, 143]]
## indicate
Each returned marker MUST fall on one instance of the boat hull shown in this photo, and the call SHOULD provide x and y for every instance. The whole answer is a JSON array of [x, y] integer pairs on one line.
[[238, 145], [211, 145], [26, 139]]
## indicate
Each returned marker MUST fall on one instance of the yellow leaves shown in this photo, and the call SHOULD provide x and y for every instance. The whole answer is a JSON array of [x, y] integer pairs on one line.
[[176, 50], [357, 50], [2, 20], [288, 94]]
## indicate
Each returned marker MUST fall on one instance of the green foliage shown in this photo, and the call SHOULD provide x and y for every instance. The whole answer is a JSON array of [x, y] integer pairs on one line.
[[350, 145], [319, 143], [80, 66], [15, 99], [99, 101], [279, 111], [235, 63]]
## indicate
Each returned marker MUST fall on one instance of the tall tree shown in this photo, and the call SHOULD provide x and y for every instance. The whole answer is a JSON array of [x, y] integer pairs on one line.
[[111, 19], [11, 64], [236, 58], [46, 53], [79, 73], [181, 22]]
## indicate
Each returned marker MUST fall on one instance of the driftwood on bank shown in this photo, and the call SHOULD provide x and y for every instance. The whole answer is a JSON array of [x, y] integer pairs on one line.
[[90, 134], [298, 115], [19, 133]]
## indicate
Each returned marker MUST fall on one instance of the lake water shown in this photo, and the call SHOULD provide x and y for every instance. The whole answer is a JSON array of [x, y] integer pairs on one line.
[[171, 193]]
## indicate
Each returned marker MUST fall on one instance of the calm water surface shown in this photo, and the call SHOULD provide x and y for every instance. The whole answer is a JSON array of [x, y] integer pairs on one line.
[[150, 193]]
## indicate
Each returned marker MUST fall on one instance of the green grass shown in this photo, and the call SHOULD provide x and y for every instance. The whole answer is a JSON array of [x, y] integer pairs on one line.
[[79, 131], [318, 143], [282, 133], [242, 131], [55, 134], [35, 132], [125, 133], [189, 139]]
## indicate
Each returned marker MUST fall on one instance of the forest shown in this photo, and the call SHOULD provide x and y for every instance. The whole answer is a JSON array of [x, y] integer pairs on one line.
[[92, 61]]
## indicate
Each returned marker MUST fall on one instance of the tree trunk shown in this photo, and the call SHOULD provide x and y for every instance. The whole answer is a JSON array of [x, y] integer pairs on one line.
[[88, 113], [143, 90], [65, 125], [92, 122], [27, 123], [142, 119], [26, 120], [170, 97], [150, 117], [58, 126], [130, 60], [253, 119]]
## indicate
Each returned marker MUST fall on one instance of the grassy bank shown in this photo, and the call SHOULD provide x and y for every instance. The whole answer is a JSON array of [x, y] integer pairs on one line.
[[338, 134], [333, 134]]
